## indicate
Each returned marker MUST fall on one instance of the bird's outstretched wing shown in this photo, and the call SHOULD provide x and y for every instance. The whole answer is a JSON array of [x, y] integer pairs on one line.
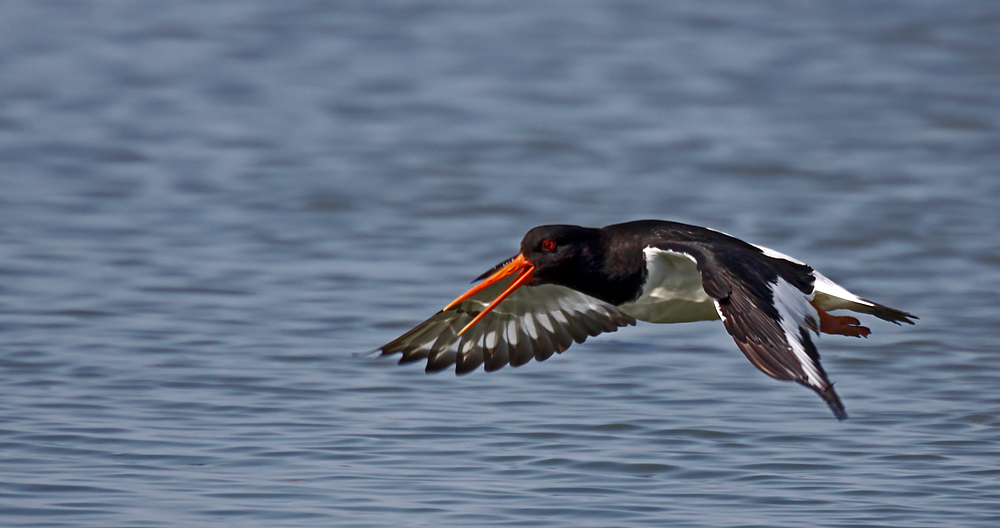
[[765, 306], [533, 322]]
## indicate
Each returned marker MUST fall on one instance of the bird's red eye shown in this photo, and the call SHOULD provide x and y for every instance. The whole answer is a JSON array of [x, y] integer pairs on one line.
[[548, 244]]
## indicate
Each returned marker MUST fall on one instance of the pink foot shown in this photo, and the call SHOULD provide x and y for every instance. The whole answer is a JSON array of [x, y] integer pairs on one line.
[[842, 325]]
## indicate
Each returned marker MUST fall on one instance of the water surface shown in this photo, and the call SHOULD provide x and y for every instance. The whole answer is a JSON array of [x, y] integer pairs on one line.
[[207, 209]]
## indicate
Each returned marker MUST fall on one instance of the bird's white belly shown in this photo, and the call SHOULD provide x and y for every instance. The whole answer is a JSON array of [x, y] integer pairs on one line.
[[673, 292]]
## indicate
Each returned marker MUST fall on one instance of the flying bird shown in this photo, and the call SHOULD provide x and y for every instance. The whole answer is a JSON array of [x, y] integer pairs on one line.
[[571, 282]]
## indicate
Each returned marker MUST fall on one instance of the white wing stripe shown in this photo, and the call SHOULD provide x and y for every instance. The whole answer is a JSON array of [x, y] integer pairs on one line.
[[796, 312]]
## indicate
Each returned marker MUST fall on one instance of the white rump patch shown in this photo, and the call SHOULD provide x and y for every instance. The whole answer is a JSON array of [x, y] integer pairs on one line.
[[827, 294], [830, 296]]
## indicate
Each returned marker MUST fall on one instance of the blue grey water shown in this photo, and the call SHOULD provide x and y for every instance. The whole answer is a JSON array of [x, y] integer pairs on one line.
[[207, 208]]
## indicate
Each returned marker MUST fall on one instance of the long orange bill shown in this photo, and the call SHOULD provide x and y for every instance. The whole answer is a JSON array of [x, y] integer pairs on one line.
[[520, 265]]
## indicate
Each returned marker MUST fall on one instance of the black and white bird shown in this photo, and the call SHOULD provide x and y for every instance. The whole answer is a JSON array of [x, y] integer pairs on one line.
[[570, 282]]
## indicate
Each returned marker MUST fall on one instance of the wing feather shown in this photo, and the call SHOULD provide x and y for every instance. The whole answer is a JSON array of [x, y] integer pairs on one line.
[[500, 352], [534, 322], [469, 357], [765, 308], [780, 348]]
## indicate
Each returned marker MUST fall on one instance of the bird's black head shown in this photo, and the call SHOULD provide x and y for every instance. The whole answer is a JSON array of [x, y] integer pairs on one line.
[[561, 254], [566, 255]]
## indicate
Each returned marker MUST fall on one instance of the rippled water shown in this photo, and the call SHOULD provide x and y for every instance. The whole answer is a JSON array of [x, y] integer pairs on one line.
[[207, 208]]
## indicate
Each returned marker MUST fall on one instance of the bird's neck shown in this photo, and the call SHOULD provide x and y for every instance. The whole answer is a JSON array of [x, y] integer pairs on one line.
[[614, 277]]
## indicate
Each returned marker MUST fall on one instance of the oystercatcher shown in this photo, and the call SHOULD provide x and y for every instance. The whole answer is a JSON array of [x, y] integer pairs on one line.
[[570, 282]]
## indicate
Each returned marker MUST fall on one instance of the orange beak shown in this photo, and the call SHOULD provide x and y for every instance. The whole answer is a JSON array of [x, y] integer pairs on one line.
[[519, 265]]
